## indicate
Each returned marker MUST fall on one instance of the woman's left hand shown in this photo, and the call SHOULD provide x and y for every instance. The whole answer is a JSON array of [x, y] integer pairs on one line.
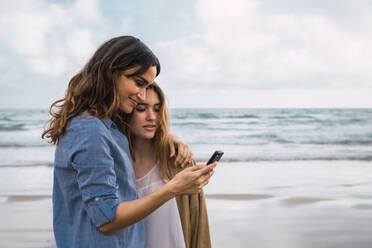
[[184, 153]]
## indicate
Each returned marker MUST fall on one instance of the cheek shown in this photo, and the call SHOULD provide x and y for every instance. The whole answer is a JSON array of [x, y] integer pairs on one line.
[[124, 92], [157, 118], [134, 128], [137, 120], [125, 88]]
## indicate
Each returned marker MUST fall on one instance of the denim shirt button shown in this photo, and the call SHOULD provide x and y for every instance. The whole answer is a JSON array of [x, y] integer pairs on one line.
[[96, 199]]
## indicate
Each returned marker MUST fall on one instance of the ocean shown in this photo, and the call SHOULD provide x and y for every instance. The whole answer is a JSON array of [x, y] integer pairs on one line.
[[277, 134], [243, 134]]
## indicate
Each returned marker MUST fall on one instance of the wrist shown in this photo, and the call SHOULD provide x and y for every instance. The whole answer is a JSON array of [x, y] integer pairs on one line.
[[169, 189]]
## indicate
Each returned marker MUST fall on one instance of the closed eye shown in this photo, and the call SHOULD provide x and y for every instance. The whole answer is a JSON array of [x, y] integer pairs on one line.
[[140, 109], [140, 83]]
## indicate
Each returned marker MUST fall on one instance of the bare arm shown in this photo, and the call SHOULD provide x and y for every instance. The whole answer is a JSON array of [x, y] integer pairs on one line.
[[189, 181]]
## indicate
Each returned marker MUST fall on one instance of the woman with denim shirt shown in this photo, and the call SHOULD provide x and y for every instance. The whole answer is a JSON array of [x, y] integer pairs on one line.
[[95, 203]]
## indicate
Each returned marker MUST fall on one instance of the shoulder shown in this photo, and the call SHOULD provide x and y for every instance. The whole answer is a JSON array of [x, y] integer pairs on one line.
[[86, 123], [86, 129]]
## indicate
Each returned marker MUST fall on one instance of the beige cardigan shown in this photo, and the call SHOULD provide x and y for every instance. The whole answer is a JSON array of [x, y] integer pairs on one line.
[[194, 219]]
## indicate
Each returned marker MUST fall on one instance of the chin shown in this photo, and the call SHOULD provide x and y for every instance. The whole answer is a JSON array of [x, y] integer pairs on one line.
[[149, 136], [143, 135]]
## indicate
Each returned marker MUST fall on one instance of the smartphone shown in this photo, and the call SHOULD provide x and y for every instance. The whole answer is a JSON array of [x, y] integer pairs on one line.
[[215, 157]]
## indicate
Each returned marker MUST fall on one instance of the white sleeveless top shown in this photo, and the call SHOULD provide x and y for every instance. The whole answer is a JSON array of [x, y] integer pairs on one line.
[[163, 226]]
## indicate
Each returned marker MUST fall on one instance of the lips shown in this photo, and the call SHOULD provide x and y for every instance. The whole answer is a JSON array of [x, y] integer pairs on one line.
[[149, 127]]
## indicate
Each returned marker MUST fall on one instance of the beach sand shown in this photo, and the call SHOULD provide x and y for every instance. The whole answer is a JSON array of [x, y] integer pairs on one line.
[[291, 204], [256, 204]]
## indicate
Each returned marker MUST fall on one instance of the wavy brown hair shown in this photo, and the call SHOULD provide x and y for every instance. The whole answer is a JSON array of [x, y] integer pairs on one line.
[[93, 88], [161, 137]]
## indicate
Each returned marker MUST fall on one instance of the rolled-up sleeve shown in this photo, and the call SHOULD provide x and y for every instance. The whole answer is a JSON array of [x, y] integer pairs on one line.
[[95, 174]]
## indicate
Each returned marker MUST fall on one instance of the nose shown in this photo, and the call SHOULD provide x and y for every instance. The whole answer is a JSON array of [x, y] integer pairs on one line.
[[142, 94], [151, 115]]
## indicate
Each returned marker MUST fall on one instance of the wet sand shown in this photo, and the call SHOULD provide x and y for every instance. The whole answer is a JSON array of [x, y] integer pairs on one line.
[[298, 201], [25, 198], [238, 197], [266, 204], [299, 204]]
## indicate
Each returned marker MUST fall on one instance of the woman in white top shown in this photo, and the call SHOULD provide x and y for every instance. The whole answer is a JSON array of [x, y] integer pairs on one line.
[[148, 136]]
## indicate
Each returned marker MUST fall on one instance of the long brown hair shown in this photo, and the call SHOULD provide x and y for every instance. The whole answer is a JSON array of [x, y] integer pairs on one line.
[[161, 137], [93, 88]]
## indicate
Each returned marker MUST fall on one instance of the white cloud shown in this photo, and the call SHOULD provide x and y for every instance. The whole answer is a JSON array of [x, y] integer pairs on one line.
[[48, 66], [238, 45], [244, 52], [24, 31], [87, 10], [48, 35], [80, 43]]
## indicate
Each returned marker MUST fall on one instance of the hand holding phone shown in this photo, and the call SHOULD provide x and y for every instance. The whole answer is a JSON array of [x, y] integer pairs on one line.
[[215, 157]]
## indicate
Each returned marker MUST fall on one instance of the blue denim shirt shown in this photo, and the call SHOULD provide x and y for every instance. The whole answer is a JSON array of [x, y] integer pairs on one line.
[[93, 173]]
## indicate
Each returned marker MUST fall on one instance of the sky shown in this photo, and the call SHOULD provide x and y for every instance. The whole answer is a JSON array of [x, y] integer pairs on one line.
[[213, 53]]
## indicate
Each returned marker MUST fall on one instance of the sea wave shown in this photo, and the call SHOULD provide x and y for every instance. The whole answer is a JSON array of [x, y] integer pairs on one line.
[[283, 159], [254, 134], [244, 116], [213, 116], [258, 140], [195, 115], [19, 165], [5, 118], [189, 123], [12, 127], [20, 145], [298, 116], [341, 142]]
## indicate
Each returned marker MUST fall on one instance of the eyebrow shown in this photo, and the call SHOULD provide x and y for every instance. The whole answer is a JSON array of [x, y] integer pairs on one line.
[[146, 104]]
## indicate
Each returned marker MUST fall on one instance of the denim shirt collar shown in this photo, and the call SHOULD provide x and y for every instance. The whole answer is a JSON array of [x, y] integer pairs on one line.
[[109, 123]]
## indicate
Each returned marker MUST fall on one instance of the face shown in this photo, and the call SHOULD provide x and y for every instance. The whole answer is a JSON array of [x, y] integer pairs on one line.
[[145, 116], [132, 90]]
